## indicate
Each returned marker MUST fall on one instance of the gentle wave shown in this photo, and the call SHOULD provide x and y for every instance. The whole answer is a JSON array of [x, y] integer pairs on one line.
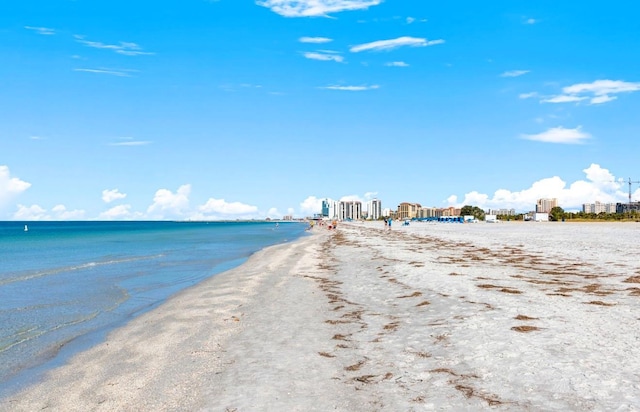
[[65, 269], [26, 335]]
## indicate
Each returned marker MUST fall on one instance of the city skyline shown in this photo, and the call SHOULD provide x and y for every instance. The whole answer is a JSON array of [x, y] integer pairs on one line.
[[218, 110]]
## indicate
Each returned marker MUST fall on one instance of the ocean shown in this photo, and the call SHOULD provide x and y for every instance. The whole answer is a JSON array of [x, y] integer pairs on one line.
[[64, 285]]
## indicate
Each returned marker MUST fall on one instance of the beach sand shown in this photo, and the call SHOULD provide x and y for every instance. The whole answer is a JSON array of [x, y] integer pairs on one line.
[[513, 316]]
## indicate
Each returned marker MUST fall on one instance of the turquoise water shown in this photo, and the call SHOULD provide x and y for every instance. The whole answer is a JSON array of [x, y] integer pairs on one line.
[[63, 285]]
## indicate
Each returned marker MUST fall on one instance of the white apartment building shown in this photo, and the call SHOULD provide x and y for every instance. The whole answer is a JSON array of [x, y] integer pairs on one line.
[[598, 207], [501, 212], [374, 209], [350, 210], [329, 208]]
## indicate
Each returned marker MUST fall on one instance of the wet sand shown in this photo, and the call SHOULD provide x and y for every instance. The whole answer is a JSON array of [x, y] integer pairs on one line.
[[425, 317]]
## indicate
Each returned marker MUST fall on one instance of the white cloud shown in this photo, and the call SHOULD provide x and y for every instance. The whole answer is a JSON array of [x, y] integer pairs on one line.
[[326, 56], [124, 48], [370, 195], [311, 8], [273, 213], [129, 141], [394, 44], [527, 95], [33, 212], [351, 198], [531, 21], [514, 73], [563, 98], [60, 212], [167, 205], [352, 88], [221, 209], [316, 40], [559, 135], [37, 212], [120, 212], [410, 20], [109, 196], [598, 92], [311, 205], [396, 64], [111, 72], [600, 185], [41, 30], [602, 87], [10, 187], [602, 99]]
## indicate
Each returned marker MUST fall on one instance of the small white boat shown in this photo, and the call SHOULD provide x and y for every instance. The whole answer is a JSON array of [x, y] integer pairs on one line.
[[26, 228]]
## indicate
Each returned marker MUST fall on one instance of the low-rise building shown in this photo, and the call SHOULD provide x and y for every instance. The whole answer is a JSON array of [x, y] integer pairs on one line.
[[408, 210]]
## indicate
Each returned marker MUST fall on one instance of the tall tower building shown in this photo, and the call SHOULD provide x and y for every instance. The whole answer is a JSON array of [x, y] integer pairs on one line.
[[545, 205], [374, 209], [350, 210]]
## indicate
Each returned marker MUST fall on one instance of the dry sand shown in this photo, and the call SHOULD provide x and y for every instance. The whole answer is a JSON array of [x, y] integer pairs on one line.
[[426, 317]]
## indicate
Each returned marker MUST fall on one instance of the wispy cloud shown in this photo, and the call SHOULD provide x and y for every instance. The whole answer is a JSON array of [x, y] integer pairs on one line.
[[563, 98], [129, 141], [530, 21], [112, 72], [41, 30], [396, 64], [528, 95], [603, 87], [352, 88], [324, 56], [514, 73], [559, 135], [394, 44], [314, 8], [316, 40], [597, 92], [124, 48]]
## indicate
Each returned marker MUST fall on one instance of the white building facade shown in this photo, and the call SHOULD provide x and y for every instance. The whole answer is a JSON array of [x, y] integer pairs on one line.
[[350, 210], [598, 207], [374, 209]]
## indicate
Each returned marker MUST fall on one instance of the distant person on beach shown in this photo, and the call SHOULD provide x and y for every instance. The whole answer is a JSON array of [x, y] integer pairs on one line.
[[389, 223], [385, 222]]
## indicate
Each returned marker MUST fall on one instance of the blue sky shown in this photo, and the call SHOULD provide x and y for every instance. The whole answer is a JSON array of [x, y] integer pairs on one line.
[[231, 109]]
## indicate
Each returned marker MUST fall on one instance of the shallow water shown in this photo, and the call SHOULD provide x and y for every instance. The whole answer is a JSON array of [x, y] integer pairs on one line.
[[65, 284]]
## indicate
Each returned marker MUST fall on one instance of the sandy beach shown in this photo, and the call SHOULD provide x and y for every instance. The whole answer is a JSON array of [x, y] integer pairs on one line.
[[510, 316]]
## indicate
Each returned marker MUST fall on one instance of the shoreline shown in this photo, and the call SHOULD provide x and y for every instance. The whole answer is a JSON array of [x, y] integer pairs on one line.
[[424, 317]]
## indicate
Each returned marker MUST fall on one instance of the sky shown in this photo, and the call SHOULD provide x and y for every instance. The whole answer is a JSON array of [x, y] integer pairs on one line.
[[247, 109]]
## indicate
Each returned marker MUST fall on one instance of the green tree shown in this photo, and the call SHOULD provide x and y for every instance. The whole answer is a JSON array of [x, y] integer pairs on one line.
[[556, 214], [474, 211]]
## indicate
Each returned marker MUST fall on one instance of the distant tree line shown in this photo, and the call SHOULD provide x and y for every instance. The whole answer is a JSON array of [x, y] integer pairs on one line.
[[557, 214]]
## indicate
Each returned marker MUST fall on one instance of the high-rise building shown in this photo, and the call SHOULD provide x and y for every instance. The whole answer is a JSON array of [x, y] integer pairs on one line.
[[374, 209], [330, 208], [350, 210], [545, 205]]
